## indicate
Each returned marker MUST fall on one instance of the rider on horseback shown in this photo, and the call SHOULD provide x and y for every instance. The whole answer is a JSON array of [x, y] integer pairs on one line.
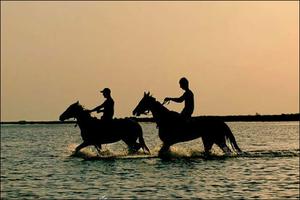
[[107, 105], [187, 97]]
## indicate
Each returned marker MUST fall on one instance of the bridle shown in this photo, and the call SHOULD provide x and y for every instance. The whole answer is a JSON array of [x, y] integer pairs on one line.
[[148, 111]]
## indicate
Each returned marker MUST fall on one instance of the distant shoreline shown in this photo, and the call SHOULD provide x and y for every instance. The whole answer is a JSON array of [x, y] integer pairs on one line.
[[229, 118]]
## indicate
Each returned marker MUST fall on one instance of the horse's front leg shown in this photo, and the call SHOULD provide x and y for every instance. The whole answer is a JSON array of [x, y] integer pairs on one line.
[[163, 150], [98, 148], [82, 145]]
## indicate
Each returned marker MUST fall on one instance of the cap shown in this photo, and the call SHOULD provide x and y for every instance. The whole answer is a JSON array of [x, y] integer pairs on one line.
[[106, 90]]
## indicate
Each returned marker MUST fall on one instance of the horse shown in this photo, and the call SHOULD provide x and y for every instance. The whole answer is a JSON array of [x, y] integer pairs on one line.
[[175, 129], [96, 132]]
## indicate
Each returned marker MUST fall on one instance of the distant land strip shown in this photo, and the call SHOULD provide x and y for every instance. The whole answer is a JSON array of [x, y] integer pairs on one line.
[[230, 118]]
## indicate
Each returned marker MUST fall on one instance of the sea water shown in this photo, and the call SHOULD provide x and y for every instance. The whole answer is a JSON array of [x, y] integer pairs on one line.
[[37, 162]]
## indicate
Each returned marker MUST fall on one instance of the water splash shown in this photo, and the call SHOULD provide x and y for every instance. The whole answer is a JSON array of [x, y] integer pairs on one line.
[[176, 152]]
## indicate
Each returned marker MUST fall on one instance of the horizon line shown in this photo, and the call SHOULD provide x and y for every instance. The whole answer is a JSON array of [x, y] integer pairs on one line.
[[256, 117]]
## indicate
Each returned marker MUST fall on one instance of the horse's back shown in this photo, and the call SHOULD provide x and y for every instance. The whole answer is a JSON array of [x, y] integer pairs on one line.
[[179, 129], [109, 131], [129, 124]]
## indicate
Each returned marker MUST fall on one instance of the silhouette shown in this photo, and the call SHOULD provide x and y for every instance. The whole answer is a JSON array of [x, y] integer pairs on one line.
[[96, 132], [107, 107], [187, 97], [173, 130]]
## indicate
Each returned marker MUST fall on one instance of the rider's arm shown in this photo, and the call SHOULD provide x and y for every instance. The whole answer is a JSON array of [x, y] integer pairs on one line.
[[178, 100], [98, 108]]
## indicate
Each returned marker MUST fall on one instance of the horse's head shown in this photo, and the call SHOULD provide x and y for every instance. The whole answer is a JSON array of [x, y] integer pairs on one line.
[[71, 112], [144, 105]]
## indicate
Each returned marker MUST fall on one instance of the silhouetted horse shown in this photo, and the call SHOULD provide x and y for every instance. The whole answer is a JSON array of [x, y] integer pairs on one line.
[[96, 132], [174, 129]]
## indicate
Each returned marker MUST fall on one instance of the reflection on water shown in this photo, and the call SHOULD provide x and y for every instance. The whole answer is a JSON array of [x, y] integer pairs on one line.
[[37, 162]]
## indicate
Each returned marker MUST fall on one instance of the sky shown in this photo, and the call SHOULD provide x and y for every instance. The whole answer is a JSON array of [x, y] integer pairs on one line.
[[241, 58]]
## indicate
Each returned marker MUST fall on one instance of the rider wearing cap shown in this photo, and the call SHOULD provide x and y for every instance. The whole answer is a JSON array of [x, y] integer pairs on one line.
[[107, 107]]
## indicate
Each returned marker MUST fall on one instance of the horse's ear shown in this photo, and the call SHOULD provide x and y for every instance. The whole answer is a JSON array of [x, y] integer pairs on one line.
[[148, 94]]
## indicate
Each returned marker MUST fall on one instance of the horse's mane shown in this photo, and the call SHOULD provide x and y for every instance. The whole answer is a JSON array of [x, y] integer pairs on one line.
[[84, 111], [82, 108], [158, 103], [163, 114]]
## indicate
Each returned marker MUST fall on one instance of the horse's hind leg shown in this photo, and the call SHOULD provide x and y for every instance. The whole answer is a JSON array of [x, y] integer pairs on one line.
[[207, 143], [225, 148], [133, 146]]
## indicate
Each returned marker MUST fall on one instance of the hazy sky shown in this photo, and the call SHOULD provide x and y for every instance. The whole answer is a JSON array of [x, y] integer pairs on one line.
[[240, 57]]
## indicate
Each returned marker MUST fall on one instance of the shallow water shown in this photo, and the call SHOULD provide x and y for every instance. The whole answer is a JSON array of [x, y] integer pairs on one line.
[[37, 162]]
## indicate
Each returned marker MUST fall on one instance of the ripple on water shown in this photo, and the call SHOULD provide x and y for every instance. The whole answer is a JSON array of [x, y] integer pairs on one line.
[[32, 168]]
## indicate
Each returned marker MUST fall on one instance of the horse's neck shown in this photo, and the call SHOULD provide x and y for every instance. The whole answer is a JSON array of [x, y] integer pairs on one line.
[[82, 118], [159, 112]]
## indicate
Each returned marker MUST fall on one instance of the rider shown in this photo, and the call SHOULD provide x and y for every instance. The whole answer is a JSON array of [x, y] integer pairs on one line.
[[187, 97], [107, 105]]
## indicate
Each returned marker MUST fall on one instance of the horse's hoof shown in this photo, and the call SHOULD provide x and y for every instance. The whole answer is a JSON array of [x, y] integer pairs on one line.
[[164, 154], [242, 153], [74, 153], [132, 151]]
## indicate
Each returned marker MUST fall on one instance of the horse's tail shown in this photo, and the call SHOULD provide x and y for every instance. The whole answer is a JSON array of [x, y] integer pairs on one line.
[[232, 140]]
